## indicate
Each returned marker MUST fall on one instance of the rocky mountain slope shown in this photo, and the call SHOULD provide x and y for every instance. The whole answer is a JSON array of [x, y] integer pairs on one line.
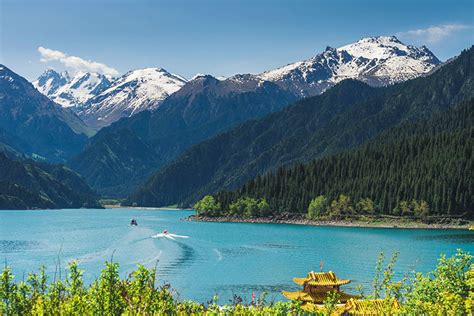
[[99, 100], [124, 154], [33, 124], [136, 91], [71, 91]]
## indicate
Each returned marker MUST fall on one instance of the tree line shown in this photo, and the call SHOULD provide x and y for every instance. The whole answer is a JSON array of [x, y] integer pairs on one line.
[[420, 168]]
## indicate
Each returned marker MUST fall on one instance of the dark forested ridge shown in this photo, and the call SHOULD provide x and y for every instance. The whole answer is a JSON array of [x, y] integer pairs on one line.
[[344, 117], [432, 161], [127, 152], [26, 184], [30, 123]]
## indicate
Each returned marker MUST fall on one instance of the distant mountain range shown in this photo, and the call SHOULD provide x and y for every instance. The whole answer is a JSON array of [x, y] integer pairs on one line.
[[118, 132], [377, 61], [101, 100], [124, 154], [206, 106], [342, 118], [71, 92]]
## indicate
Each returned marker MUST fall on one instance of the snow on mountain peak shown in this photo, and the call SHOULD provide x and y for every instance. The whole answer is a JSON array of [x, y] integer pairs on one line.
[[198, 75], [149, 84], [71, 91], [379, 60], [380, 47], [50, 81], [135, 91]]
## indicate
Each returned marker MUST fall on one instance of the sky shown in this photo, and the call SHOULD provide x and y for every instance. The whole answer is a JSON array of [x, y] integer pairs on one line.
[[218, 37]]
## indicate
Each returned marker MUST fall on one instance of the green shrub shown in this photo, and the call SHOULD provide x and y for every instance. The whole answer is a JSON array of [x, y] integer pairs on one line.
[[448, 290], [208, 206], [317, 207]]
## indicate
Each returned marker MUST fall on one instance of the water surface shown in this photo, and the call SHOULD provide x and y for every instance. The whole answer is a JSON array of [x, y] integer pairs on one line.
[[218, 258]]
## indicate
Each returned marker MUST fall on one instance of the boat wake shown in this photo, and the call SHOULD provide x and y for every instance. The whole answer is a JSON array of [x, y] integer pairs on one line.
[[169, 236]]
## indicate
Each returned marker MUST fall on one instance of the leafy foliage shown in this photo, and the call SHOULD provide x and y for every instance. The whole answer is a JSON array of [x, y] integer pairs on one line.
[[446, 291], [317, 207], [207, 206], [110, 295], [249, 207]]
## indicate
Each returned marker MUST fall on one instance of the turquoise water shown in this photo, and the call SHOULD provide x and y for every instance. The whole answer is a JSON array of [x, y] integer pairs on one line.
[[218, 258]]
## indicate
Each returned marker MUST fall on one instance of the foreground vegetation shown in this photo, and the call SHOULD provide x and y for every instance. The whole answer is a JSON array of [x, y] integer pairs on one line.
[[448, 290]]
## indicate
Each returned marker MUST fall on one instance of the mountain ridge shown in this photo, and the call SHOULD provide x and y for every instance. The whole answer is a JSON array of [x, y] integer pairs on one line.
[[303, 131], [206, 106], [38, 124], [25, 184]]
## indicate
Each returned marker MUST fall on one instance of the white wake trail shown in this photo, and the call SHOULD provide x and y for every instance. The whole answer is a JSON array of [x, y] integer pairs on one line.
[[169, 236]]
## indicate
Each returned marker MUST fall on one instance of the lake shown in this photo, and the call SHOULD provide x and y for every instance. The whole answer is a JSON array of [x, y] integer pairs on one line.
[[218, 258]]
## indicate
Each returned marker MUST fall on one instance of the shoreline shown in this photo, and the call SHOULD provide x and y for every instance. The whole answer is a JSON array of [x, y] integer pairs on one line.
[[113, 206], [373, 223]]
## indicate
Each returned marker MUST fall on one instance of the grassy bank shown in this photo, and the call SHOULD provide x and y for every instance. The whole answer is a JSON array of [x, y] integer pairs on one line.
[[448, 290], [356, 221]]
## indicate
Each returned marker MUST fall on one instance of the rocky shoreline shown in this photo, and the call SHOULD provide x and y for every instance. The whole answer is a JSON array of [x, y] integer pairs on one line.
[[296, 219]]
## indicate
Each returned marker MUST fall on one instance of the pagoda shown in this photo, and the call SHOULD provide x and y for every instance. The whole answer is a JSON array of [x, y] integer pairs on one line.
[[316, 288]]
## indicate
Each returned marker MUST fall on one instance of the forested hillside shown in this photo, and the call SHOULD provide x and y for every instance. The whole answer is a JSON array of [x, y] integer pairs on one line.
[[26, 184], [430, 161], [344, 117], [126, 153]]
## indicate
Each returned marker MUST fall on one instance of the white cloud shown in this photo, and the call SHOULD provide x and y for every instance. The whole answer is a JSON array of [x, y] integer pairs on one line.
[[435, 33], [75, 62]]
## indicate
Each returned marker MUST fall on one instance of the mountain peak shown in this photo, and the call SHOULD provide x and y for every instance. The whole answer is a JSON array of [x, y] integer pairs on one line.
[[135, 91], [380, 47], [380, 39], [378, 60], [71, 91]]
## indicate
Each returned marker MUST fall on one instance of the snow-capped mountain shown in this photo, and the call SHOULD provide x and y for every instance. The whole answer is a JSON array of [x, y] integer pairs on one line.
[[378, 61], [137, 90], [50, 81], [71, 91], [381, 60]]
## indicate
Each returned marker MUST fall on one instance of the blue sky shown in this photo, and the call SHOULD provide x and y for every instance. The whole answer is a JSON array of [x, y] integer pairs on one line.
[[216, 37]]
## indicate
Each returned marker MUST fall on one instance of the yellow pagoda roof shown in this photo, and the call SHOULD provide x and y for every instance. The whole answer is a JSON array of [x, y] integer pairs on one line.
[[320, 308], [371, 307], [356, 307], [321, 279], [315, 297]]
